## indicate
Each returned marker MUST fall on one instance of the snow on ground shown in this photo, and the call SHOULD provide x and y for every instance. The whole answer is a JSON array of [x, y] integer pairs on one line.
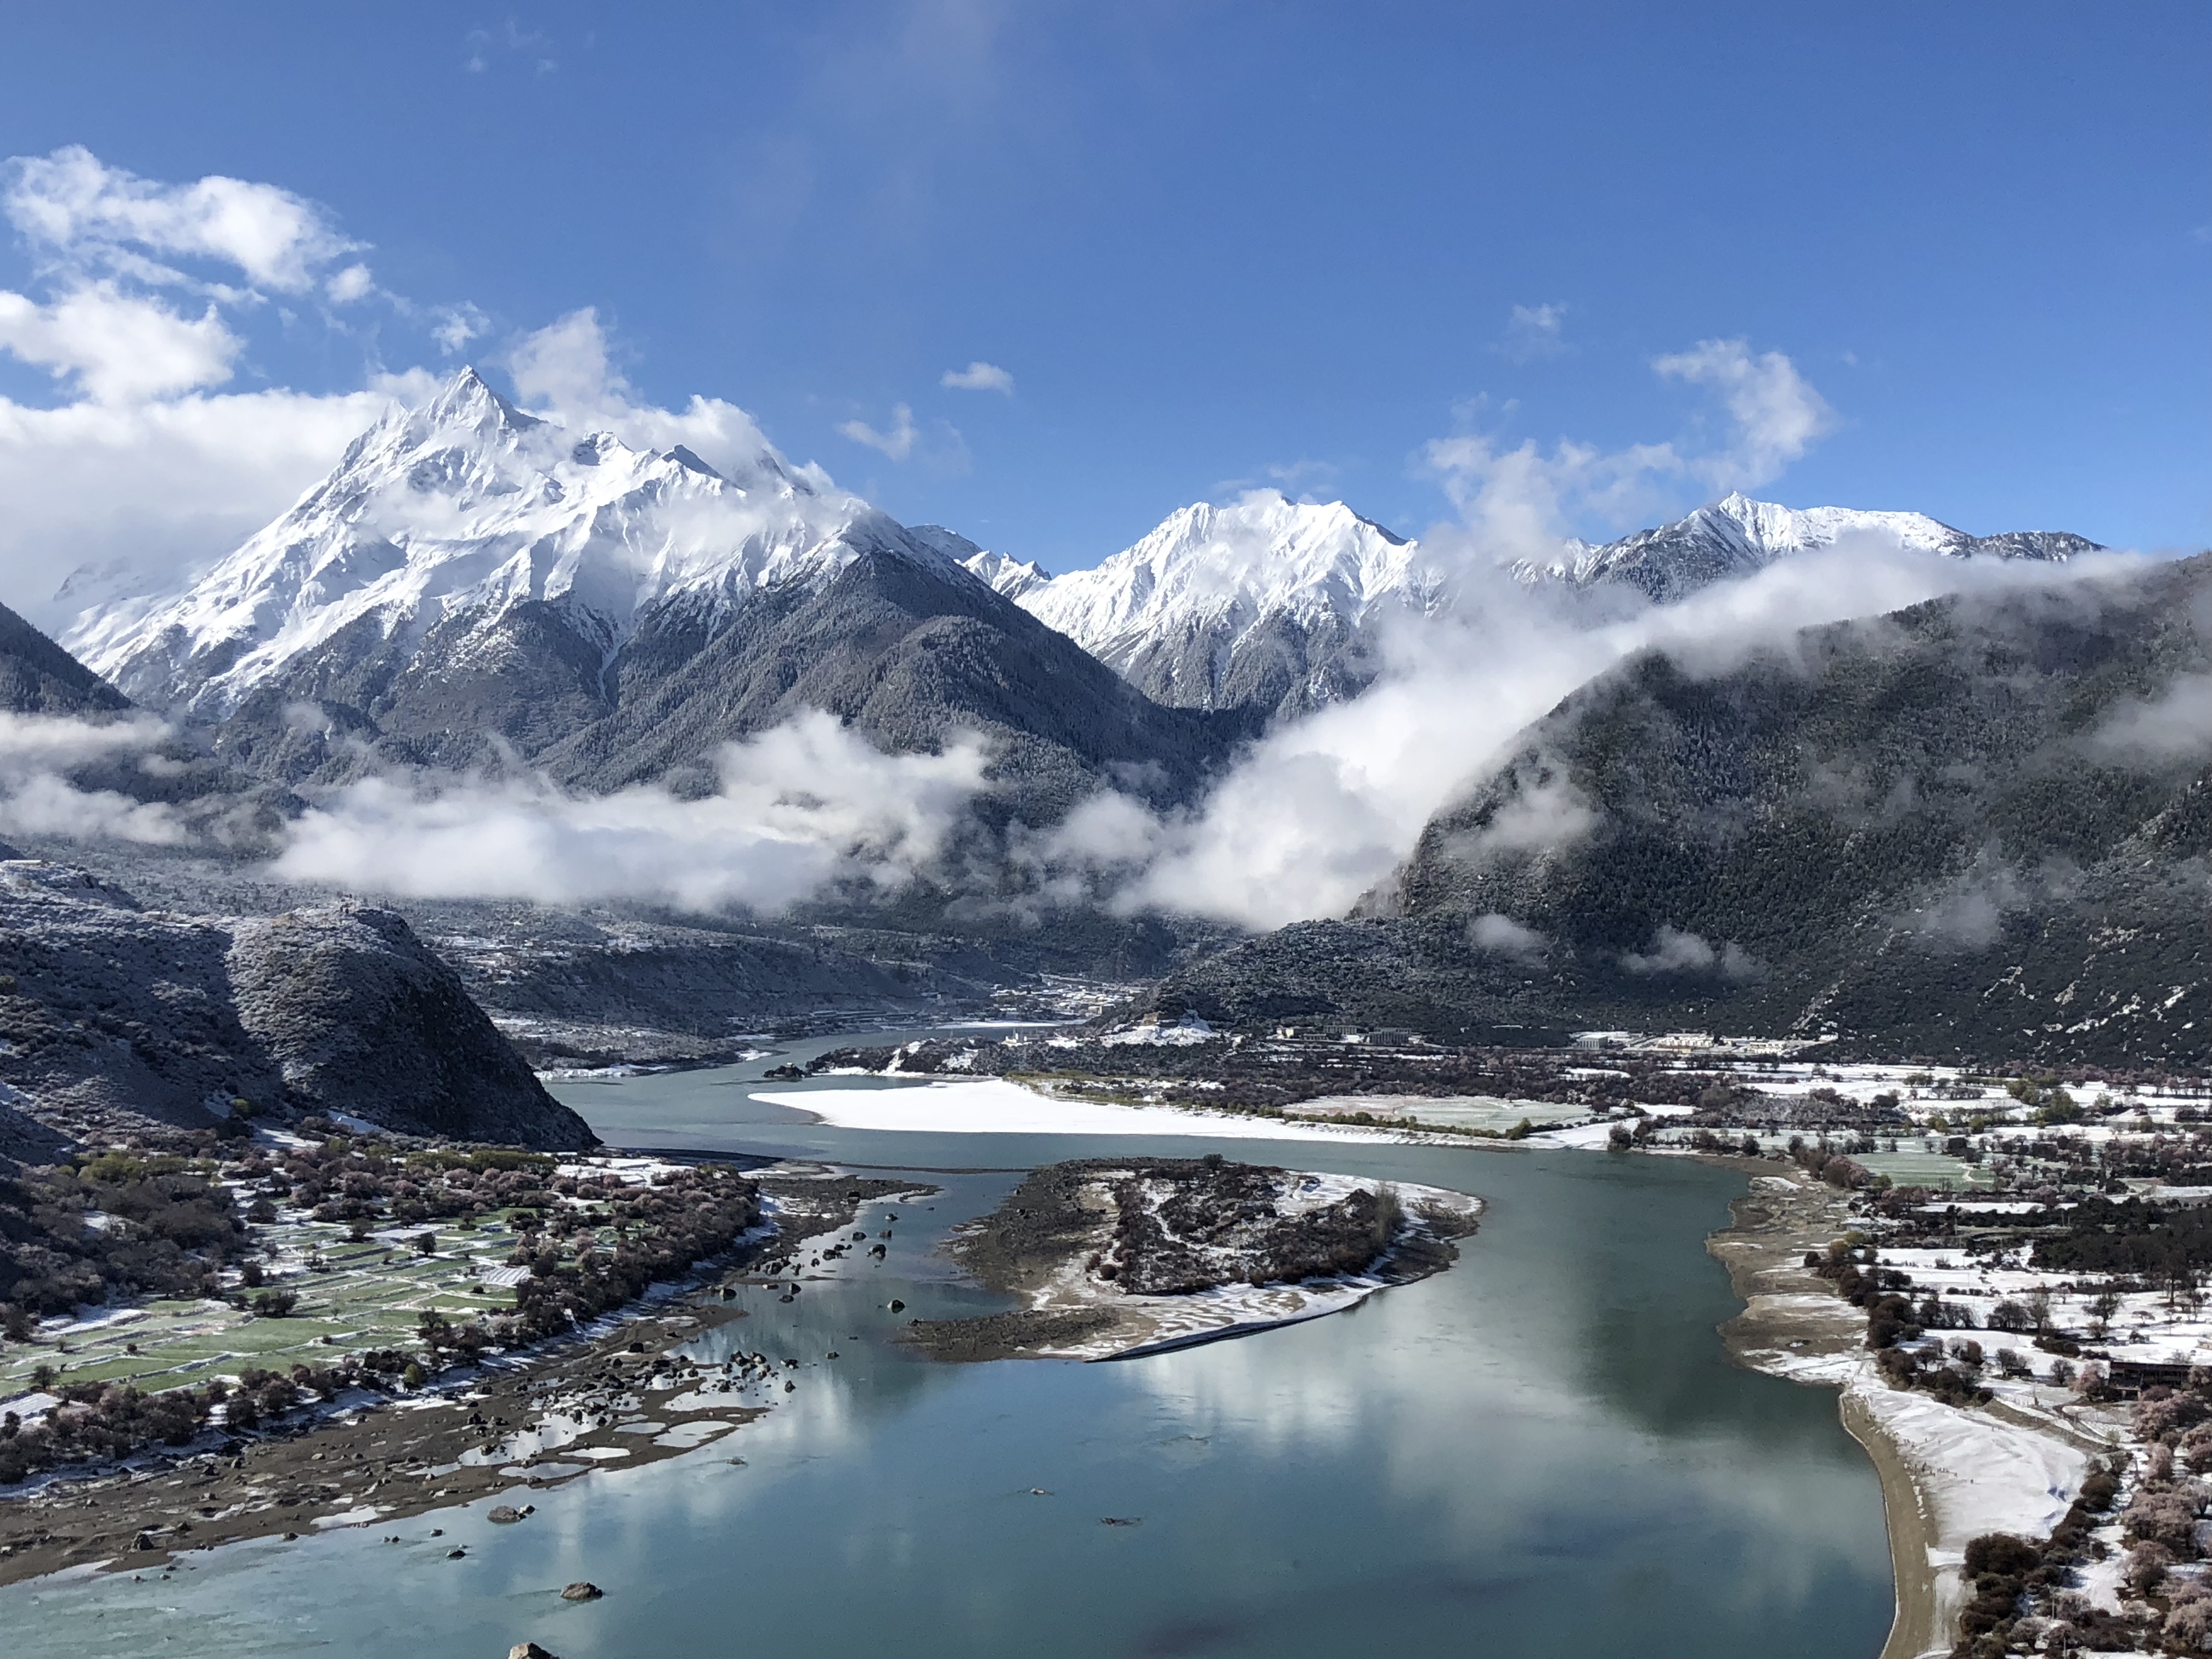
[[2145, 1326], [994, 1106], [1235, 1310], [1191, 1030], [1587, 1136], [1976, 1474]]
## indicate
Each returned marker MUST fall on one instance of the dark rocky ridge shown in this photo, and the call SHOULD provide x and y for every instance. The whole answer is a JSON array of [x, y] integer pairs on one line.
[[37, 676], [1920, 830], [123, 1021]]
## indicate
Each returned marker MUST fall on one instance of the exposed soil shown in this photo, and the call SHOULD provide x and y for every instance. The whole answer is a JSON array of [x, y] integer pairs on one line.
[[1792, 1317]]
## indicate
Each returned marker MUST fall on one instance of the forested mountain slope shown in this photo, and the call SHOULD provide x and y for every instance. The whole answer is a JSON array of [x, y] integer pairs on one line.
[[1979, 826]]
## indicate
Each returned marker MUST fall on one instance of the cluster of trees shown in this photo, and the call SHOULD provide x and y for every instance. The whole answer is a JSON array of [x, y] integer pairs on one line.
[[367, 1182], [2131, 1238], [1217, 1222], [165, 1226], [168, 1226], [2008, 1575], [101, 1421], [662, 1231], [1259, 1074]]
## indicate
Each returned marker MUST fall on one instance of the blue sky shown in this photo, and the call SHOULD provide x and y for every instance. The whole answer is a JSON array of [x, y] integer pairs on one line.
[[1218, 247]]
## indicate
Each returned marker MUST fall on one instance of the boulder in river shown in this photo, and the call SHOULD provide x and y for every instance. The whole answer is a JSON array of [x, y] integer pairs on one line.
[[582, 1590]]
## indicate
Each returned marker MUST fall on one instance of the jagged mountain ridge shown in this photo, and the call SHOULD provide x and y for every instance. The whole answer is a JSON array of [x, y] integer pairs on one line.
[[472, 585], [1002, 572], [1736, 536], [1981, 827], [1264, 603], [464, 509], [1277, 605]]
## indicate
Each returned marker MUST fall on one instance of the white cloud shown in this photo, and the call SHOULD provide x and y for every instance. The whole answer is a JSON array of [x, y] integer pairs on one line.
[[979, 376], [352, 284], [566, 370], [1519, 501], [1776, 412], [898, 443], [456, 325], [512, 39], [1319, 811], [2175, 724], [82, 213], [118, 348], [111, 500], [37, 798], [1673, 952], [145, 472], [1535, 331], [800, 807], [1501, 935]]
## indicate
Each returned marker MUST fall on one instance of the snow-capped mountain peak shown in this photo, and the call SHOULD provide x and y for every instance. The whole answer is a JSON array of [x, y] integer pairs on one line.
[[1735, 535], [1001, 572], [1257, 600], [1259, 557], [466, 507]]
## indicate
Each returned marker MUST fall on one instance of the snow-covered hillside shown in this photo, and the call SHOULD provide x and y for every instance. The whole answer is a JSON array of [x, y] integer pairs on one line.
[[1276, 604], [1736, 536], [464, 508], [1265, 601], [1001, 572]]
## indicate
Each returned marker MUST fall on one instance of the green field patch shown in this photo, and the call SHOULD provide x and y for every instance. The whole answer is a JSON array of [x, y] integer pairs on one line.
[[1922, 1169]]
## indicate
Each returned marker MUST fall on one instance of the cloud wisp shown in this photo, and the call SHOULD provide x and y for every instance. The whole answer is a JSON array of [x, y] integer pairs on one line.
[[1535, 331], [979, 376], [1319, 812], [897, 444], [1519, 501]]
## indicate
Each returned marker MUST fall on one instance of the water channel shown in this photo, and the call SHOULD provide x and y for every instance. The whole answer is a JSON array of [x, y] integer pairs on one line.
[[1544, 1451]]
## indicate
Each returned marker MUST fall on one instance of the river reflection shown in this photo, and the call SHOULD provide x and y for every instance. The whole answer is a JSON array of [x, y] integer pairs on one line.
[[1543, 1451]]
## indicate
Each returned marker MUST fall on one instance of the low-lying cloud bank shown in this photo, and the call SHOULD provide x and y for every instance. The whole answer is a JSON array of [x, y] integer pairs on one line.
[[1318, 813], [1308, 819], [796, 808]]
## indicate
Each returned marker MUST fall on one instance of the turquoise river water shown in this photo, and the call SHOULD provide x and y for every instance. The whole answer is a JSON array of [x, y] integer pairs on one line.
[[1544, 1451]]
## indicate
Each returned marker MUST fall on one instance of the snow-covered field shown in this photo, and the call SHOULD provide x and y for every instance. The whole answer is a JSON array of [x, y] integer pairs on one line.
[[994, 1106]]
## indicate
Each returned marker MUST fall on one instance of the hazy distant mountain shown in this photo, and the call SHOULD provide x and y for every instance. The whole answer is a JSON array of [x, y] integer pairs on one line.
[[1736, 536], [1979, 826], [1267, 604], [472, 583]]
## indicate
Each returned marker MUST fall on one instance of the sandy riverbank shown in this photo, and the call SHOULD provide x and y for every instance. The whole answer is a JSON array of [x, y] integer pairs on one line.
[[1948, 1473]]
